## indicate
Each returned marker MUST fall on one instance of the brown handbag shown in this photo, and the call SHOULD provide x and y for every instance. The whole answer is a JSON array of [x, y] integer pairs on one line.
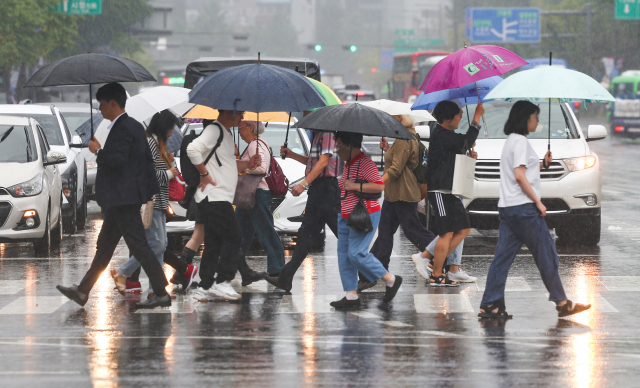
[[245, 197]]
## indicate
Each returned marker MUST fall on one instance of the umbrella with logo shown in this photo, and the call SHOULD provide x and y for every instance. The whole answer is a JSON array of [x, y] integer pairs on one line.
[[89, 69]]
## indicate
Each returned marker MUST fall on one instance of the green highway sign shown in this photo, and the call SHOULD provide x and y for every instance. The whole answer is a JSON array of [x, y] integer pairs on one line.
[[404, 32], [628, 9], [418, 42], [80, 7]]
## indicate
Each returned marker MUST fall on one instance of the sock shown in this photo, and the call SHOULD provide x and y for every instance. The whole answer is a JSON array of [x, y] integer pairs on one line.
[[391, 281], [351, 296], [187, 255]]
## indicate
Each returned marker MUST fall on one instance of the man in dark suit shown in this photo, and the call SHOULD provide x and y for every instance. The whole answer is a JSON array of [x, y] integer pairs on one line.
[[125, 180]]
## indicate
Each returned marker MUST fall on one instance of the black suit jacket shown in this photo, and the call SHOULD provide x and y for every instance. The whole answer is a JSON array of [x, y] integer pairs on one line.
[[126, 172]]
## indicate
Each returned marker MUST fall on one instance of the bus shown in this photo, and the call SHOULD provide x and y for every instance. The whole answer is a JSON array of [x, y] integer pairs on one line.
[[406, 79], [171, 76]]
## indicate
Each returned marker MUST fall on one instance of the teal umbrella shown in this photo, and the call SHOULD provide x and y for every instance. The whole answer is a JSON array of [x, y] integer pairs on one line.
[[552, 84]]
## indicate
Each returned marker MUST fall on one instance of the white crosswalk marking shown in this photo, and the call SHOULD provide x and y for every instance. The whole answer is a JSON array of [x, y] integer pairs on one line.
[[10, 287], [514, 283], [34, 305], [293, 304], [442, 303], [620, 283]]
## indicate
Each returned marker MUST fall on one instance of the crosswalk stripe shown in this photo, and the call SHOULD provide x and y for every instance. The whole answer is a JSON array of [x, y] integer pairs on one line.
[[514, 283], [34, 305], [620, 283], [442, 303], [10, 287], [292, 304]]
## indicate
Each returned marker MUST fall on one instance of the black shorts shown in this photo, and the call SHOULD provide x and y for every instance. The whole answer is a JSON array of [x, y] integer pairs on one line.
[[193, 213], [449, 212]]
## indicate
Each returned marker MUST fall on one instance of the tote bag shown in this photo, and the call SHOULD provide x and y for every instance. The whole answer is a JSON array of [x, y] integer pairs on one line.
[[245, 197], [463, 176], [146, 213]]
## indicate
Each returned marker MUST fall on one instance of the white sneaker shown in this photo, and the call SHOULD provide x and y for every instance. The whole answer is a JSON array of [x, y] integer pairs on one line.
[[460, 276], [203, 295], [224, 290], [421, 266]]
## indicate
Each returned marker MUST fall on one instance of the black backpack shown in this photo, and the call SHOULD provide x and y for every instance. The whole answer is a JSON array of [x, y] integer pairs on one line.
[[420, 170], [189, 172]]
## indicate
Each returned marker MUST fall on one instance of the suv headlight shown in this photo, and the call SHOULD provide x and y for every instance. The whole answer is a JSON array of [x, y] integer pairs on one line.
[[26, 189], [582, 163]]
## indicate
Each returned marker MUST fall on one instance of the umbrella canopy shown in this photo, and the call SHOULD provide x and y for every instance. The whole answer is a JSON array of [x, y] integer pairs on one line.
[[329, 95], [468, 65], [257, 88], [144, 105], [550, 83], [355, 118], [84, 130], [87, 69], [468, 94], [206, 113], [399, 108]]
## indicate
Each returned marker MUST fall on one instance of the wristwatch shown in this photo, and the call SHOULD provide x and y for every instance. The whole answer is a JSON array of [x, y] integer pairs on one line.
[[96, 151]]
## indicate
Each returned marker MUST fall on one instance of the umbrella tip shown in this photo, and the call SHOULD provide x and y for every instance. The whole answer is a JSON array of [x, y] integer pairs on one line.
[[258, 56], [465, 44]]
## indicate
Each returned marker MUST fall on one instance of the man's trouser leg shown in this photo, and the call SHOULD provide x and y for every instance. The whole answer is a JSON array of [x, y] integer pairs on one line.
[[221, 221]]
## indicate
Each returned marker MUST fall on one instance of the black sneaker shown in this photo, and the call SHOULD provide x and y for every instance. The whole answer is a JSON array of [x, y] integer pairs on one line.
[[346, 304], [391, 292], [176, 278], [251, 277], [363, 285]]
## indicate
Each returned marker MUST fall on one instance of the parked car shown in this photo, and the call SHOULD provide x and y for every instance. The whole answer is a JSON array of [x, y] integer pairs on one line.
[[73, 171], [76, 114], [287, 210], [570, 188], [30, 185], [350, 96]]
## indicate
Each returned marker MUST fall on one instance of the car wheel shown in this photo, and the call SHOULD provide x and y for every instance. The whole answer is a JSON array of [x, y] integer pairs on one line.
[[81, 219], [584, 233], [42, 245], [69, 223]]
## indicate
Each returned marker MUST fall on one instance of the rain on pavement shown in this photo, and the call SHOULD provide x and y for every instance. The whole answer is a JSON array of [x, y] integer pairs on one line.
[[425, 337]]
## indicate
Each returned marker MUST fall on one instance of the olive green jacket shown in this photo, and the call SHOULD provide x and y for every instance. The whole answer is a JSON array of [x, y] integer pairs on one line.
[[398, 161]]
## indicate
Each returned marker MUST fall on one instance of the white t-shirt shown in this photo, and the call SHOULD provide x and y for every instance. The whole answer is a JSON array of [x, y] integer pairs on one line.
[[517, 152]]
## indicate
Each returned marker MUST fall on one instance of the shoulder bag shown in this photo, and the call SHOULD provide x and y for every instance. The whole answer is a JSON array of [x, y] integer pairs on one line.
[[276, 180], [146, 212], [359, 219]]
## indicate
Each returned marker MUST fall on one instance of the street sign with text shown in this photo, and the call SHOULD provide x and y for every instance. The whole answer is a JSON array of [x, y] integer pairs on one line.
[[503, 25], [628, 9], [80, 7]]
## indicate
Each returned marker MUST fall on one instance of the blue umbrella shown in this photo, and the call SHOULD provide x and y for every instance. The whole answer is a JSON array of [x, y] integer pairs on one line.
[[257, 88], [467, 94]]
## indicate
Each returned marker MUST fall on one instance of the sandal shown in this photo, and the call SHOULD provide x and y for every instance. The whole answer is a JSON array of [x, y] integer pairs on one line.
[[571, 308], [442, 281], [494, 311]]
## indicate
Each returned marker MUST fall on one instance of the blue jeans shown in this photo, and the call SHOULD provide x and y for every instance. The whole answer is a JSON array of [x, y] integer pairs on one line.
[[259, 220], [354, 256], [523, 225], [157, 239], [455, 258]]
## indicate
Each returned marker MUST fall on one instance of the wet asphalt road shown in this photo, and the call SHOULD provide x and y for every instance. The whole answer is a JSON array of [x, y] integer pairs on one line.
[[425, 337]]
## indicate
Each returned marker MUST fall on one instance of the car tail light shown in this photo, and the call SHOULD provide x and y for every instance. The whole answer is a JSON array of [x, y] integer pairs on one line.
[[619, 128], [360, 94]]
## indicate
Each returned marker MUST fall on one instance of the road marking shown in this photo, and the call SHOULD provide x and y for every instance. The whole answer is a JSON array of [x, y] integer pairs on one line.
[[266, 371], [395, 323], [366, 315], [295, 304], [514, 283], [40, 372], [182, 305], [10, 287], [442, 303], [25, 343], [620, 283], [34, 305]]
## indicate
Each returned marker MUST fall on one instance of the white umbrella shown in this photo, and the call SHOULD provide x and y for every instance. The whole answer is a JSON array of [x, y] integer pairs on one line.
[[144, 105], [399, 108]]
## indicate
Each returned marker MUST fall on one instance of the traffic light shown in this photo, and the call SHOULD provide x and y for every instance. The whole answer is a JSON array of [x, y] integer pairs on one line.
[[374, 70], [317, 47], [353, 48]]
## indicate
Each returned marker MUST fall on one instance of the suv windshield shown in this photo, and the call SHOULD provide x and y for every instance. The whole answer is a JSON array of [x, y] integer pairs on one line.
[[497, 112], [17, 144], [623, 90], [74, 120], [49, 124]]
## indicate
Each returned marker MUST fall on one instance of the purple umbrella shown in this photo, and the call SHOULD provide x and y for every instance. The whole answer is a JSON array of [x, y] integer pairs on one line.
[[469, 65]]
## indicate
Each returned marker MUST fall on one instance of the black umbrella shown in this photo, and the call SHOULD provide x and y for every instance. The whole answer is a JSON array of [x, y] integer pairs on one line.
[[355, 118], [88, 69]]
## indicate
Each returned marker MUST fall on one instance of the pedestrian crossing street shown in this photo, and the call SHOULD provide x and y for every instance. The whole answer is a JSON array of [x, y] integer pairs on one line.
[[451, 300]]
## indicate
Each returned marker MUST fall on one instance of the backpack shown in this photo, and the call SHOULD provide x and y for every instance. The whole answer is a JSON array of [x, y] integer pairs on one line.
[[277, 181], [190, 173], [420, 170]]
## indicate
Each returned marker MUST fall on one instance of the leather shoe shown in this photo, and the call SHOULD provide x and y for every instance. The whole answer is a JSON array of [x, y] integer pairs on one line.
[[155, 301], [73, 294], [251, 277], [276, 282]]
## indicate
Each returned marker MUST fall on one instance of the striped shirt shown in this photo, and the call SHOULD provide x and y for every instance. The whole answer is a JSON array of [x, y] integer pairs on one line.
[[162, 174], [365, 168], [324, 143]]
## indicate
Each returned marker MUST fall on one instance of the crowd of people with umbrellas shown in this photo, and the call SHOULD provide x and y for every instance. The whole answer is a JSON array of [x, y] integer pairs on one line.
[[343, 184]]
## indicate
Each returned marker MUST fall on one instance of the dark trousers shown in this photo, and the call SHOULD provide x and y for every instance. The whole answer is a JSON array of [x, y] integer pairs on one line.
[[222, 240], [323, 208], [124, 221], [393, 215], [169, 258]]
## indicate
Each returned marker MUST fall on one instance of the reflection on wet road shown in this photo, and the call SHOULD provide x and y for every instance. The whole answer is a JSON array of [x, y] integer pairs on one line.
[[425, 337]]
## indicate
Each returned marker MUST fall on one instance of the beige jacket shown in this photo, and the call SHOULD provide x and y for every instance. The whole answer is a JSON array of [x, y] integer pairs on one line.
[[398, 161]]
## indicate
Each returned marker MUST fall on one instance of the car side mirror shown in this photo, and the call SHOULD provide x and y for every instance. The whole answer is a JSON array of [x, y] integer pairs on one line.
[[424, 131], [76, 142], [596, 132], [55, 157]]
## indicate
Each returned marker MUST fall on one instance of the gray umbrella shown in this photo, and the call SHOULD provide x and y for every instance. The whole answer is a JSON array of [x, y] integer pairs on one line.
[[355, 118]]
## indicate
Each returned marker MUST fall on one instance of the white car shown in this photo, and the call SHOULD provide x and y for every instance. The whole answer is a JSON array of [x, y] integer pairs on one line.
[[30, 185], [73, 171], [287, 210], [570, 188]]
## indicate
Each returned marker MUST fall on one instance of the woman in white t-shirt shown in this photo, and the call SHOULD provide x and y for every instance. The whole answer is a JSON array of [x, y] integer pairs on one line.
[[521, 218]]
